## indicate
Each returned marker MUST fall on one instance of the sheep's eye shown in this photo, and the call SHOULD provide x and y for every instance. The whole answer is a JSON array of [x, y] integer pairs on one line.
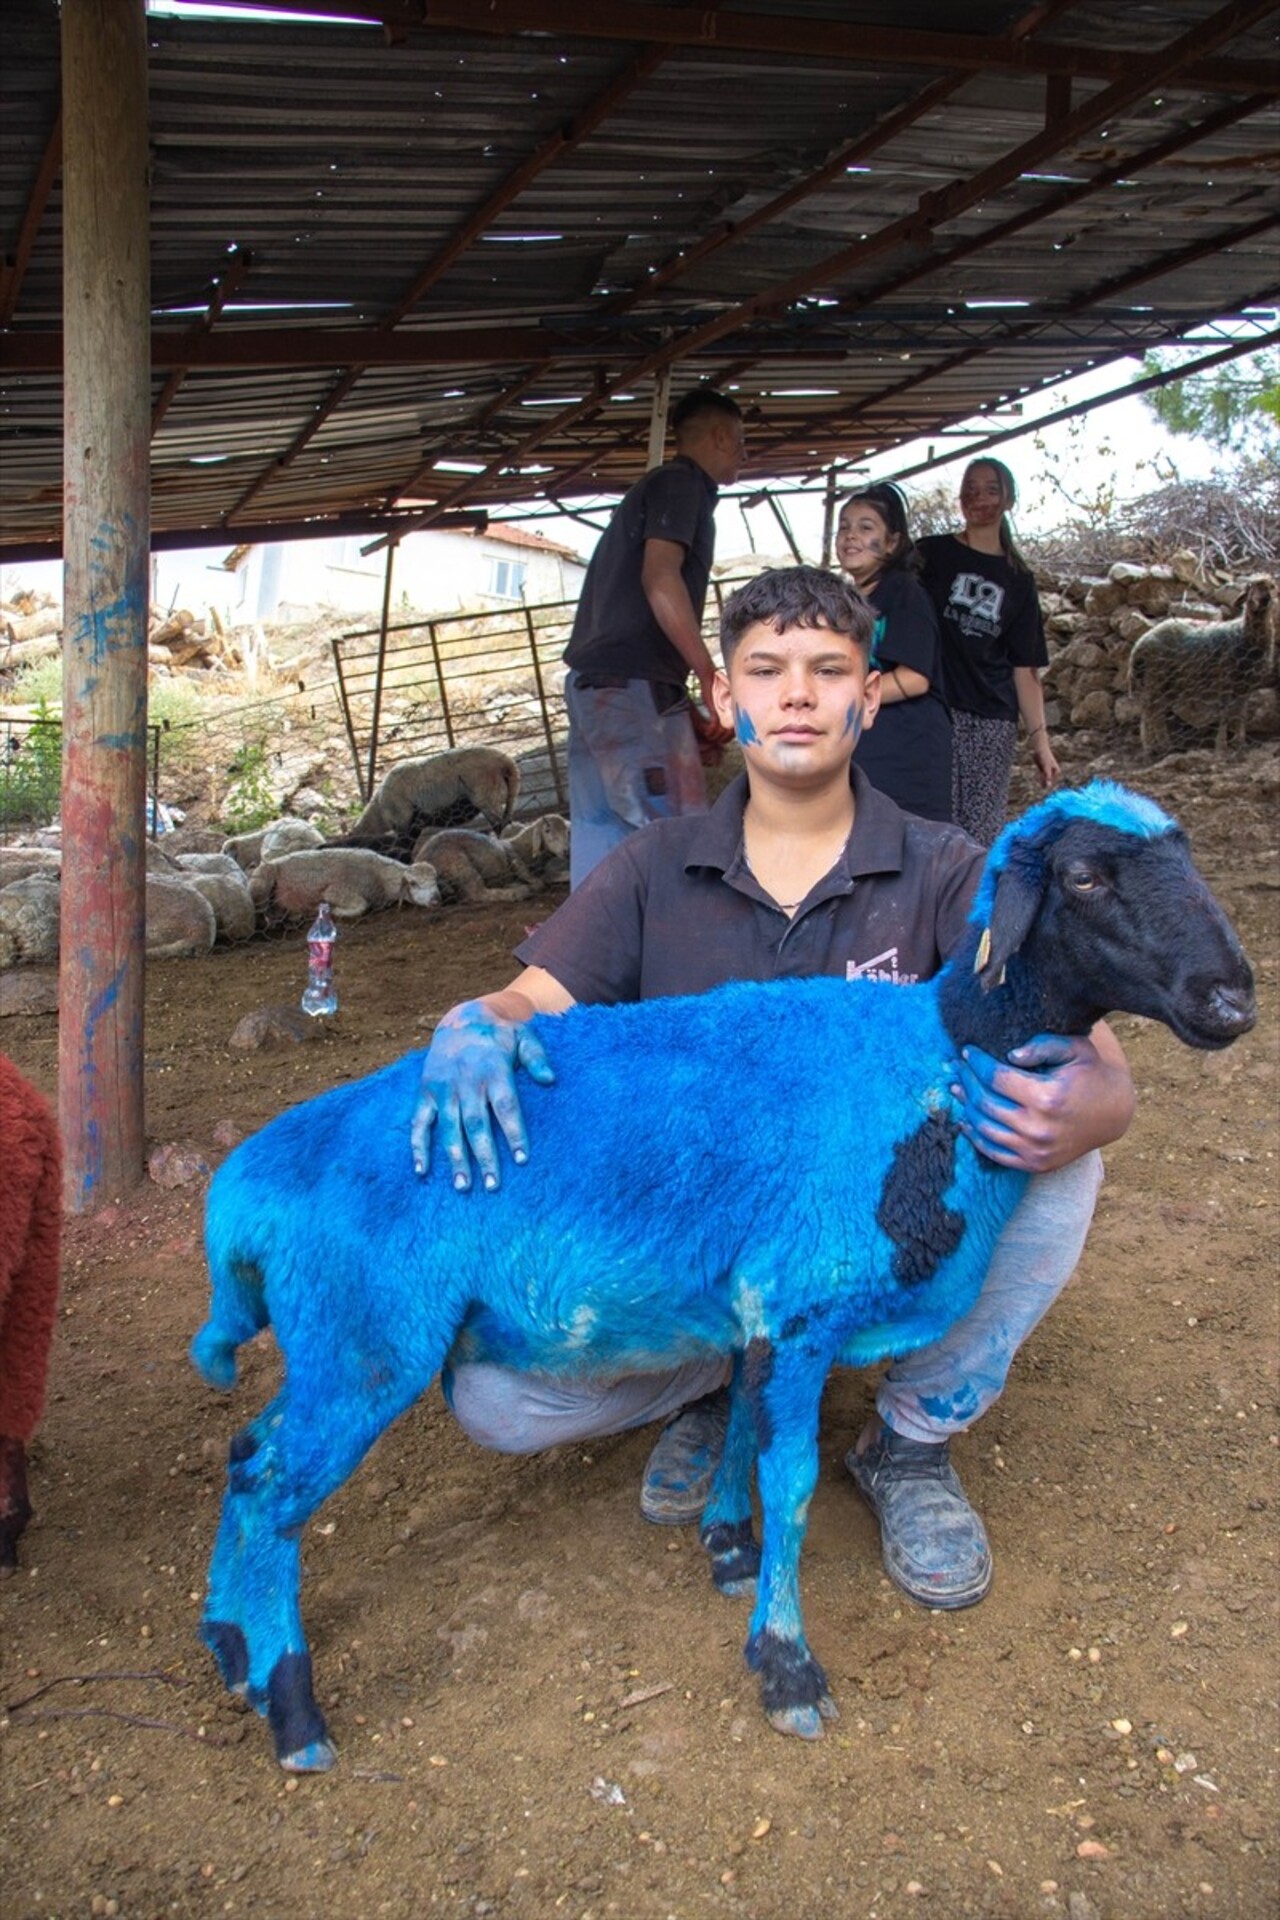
[[1082, 880]]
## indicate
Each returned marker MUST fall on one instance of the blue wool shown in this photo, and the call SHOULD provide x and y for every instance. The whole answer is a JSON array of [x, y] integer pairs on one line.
[[770, 1172], [1103, 802]]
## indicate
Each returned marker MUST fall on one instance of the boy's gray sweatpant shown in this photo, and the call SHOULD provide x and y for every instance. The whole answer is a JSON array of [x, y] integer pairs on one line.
[[940, 1390]]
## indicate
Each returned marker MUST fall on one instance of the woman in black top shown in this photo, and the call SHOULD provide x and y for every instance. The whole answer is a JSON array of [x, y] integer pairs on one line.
[[992, 648], [907, 752]]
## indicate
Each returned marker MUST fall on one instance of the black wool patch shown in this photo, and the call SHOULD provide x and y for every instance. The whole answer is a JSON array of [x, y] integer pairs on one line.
[[911, 1210], [757, 1371]]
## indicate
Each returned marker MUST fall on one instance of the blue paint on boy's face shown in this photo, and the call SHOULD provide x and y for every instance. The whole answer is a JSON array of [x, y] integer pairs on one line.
[[743, 727], [853, 722]]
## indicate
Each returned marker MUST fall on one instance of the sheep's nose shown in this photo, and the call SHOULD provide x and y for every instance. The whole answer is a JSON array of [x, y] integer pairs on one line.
[[1236, 1006]]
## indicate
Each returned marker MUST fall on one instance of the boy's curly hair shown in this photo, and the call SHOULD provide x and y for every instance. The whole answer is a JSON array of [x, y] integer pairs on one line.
[[785, 597]]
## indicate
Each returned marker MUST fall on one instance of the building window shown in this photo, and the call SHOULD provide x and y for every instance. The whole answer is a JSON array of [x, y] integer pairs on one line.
[[506, 579]]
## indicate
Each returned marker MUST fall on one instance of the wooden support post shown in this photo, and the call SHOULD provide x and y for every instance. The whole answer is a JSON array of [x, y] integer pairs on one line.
[[106, 531]]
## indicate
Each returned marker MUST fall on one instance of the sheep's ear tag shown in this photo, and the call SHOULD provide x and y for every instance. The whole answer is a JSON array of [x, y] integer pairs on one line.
[[982, 958]]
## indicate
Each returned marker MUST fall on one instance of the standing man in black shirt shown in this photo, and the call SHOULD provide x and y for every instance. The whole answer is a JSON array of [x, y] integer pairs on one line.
[[637, 636]]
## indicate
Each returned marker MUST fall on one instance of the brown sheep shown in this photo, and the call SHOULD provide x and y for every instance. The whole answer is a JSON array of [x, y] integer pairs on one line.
[[30, 1231]]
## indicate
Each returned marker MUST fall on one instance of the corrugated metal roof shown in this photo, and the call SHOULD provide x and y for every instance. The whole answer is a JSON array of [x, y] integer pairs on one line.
[[507, 230]]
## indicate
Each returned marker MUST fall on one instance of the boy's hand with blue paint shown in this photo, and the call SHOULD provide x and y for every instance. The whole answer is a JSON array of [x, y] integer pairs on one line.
[[468, 1078], [1051, 1102]]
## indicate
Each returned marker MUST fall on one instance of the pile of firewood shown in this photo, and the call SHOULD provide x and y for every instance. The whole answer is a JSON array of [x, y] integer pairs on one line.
[[179, 639], [31, 627]]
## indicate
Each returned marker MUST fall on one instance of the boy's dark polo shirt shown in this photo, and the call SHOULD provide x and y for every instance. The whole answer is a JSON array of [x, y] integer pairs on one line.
[[674, 909]]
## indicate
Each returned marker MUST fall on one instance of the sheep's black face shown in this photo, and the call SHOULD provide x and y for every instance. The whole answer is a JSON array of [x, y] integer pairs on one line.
[[1136, 925]]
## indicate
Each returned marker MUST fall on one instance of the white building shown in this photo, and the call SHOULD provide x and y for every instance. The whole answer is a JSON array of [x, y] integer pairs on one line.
[[433, 572]]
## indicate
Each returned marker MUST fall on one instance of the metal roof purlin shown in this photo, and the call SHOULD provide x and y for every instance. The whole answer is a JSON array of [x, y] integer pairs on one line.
[[562, 141], [1146, 384], [1149, 270], [227, 284], [865, 144], [1057, 203], [934, 208], [722, 29], [906, 115], [895, 122], [13, 271]]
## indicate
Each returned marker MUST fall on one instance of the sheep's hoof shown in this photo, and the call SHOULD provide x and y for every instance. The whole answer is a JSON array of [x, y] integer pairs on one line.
[[316, 1757], [806, 1722], [793, 1687], [735, 1557], [297, 1724]]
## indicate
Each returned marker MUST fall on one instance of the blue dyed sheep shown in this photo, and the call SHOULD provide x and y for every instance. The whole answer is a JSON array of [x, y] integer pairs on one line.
[[818, 1205]]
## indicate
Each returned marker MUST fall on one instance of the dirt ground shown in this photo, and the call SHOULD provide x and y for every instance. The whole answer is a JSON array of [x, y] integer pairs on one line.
[[540, 1702]]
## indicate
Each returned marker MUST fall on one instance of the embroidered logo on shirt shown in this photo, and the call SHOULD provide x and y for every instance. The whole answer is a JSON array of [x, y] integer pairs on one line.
[[884, 966]]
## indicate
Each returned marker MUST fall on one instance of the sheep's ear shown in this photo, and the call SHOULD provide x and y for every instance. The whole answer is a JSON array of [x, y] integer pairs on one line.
[[1017, 898]]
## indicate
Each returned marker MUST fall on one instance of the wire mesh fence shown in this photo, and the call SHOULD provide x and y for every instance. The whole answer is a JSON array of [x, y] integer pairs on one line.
[[31, 773]]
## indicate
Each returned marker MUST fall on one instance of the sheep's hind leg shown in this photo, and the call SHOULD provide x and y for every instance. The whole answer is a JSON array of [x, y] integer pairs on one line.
[[793, 1687], [725, 1529], [252, 1623]]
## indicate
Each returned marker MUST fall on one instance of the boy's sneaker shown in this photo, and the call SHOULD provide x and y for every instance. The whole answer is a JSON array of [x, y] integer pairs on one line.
[[933, 1544], [677, 1480]]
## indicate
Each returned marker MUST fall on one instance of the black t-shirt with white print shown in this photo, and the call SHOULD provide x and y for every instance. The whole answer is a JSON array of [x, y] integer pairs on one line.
[[990, 621]]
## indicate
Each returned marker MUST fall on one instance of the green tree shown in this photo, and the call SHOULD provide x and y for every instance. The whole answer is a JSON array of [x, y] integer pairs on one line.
[[1232, 406]]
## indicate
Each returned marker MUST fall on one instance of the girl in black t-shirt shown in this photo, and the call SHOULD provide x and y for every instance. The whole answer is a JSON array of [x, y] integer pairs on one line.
[[992, 648], [907, 752]]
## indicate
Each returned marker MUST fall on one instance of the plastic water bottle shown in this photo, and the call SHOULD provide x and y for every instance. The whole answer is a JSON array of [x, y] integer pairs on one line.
[[321, 995]]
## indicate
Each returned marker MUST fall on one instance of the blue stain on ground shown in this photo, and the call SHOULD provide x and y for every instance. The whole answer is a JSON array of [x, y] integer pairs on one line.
[[742, 726]]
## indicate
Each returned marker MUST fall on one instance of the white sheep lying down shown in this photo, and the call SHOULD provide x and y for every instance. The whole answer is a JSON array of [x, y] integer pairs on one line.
[[473, 866], [770, 1172], [353, 881]]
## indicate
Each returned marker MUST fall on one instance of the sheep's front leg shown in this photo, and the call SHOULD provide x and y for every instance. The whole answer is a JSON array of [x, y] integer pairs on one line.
[[785, 1394], [726, 1521]]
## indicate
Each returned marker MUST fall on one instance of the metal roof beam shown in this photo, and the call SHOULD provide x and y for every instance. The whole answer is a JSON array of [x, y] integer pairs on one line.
[[724, 30], [315, 527], [564, 139], [1027, 330], [225, 285], [907, 115], [1058, 203], [934, 209], [13, 268], [1146, 385], [302, 347]]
